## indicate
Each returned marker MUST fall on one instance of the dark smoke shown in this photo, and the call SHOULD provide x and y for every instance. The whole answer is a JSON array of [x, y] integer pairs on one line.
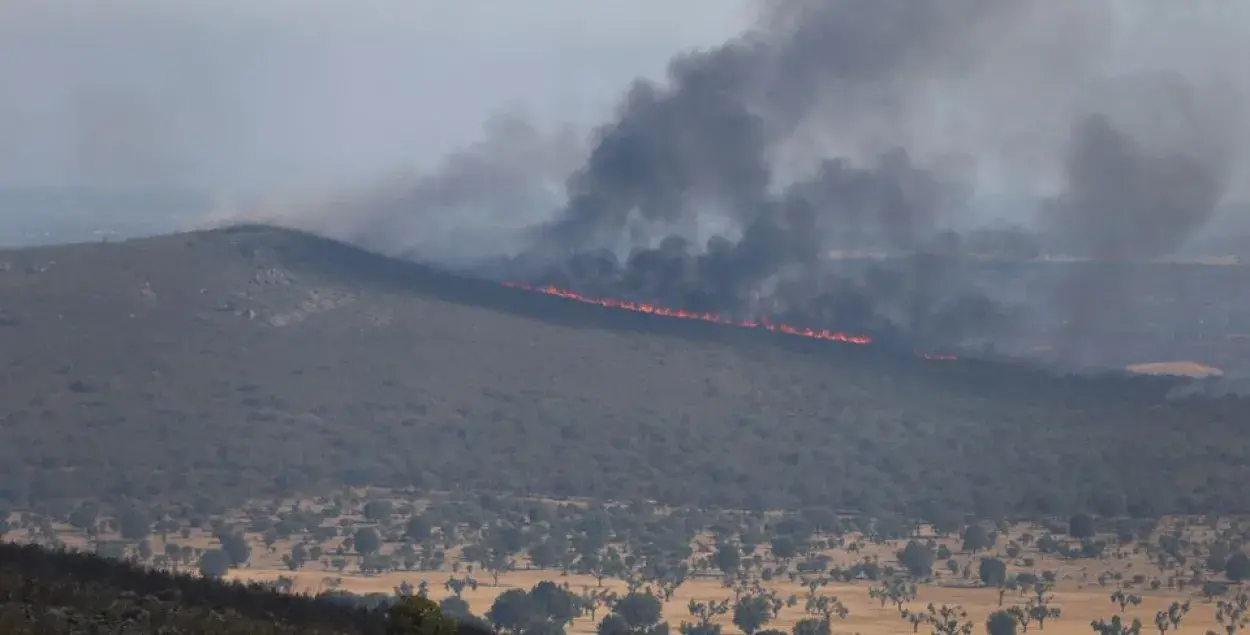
[[696, 157], [1127, 202], [697, 154], [825, 168]]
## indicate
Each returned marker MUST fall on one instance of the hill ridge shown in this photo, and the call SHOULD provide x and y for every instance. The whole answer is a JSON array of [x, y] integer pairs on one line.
[[227, 364]]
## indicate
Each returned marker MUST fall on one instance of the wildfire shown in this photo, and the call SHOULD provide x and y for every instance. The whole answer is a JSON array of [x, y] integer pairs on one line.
[[642, 307]]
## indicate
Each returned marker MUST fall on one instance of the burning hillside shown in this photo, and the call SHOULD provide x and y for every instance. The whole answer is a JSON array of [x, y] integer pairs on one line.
[[711, 318], [855, 126], [650, 309]]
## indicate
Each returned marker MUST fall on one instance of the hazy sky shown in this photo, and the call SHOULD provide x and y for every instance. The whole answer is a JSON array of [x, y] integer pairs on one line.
[[238, 93], [291, 93]]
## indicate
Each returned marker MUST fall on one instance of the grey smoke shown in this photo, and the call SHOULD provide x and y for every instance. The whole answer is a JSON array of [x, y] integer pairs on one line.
[[856, 126], [1125, 199], [701, 151], [1099, 129]]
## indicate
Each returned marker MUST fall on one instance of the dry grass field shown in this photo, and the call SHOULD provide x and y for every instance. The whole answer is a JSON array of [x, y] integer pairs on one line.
[[1077, 591], [1079, 604]]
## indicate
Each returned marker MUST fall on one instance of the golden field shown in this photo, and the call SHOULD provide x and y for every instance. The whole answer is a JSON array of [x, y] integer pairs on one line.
[[1077, 591]]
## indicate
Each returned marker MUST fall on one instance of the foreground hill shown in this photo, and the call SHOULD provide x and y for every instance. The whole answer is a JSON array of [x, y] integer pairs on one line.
[[48, 592], [227, 364]]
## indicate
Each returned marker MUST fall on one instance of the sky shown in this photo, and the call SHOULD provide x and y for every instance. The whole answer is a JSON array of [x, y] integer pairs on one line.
[[258, 94], [265, 96]]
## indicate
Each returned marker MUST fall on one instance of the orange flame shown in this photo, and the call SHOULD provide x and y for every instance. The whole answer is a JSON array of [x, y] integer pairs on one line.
[[641, 307]]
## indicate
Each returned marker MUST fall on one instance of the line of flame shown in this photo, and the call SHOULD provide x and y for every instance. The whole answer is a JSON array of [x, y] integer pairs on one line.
[[642, 307]]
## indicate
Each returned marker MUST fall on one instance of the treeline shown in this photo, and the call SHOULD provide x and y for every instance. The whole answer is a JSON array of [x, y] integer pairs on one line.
[[44, 591]]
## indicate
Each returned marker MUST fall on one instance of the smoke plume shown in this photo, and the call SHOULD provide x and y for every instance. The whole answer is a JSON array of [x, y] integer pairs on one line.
[[876, 165], [680, 201], [827, 165]]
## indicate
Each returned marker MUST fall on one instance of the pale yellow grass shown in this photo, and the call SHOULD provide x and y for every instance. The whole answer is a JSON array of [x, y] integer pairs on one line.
[[1079, 606], [1190, 369], [1078, 594]]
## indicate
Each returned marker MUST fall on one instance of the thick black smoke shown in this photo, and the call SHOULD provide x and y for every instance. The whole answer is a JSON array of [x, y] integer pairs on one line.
[[697, 154], [679, 201], [826, 167]]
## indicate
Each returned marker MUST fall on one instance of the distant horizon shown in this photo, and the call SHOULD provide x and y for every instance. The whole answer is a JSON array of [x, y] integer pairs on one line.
[[172, 207]]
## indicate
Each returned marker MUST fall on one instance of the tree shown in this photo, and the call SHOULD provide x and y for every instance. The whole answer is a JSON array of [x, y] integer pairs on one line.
[[976, 537], [917, 558], [613, 624], [214, 563], [751, 612], [134, 524], [299, 554], [1082, 526], [826, 606], [1211, 589], [992, 571], [84, 516], [1039, 607], [1116, 627], [366, 541], [1021, 616], [897, 591], [1231, 614], [1122, 599], [453, 606], [1008, 584], [593, 599], [705, 612], [811, 626], [512, 611], [1000, 623], [1237, 567], [784, 548], [457, 585], [1170, 619], [822, 519], [916, 618], [548, 553], [236, 547], [943, 520], [497, 561], [728, 559], [949, 620], [416, 615], [641, 611], [378, 510], [555, 602], [417, 529]]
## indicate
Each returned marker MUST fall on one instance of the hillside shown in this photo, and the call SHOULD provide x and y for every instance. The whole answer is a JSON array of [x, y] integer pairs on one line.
[[216, 366], [45, 592]]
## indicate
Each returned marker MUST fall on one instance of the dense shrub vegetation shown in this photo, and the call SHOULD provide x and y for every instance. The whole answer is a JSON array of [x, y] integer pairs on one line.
[[212, 367]]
